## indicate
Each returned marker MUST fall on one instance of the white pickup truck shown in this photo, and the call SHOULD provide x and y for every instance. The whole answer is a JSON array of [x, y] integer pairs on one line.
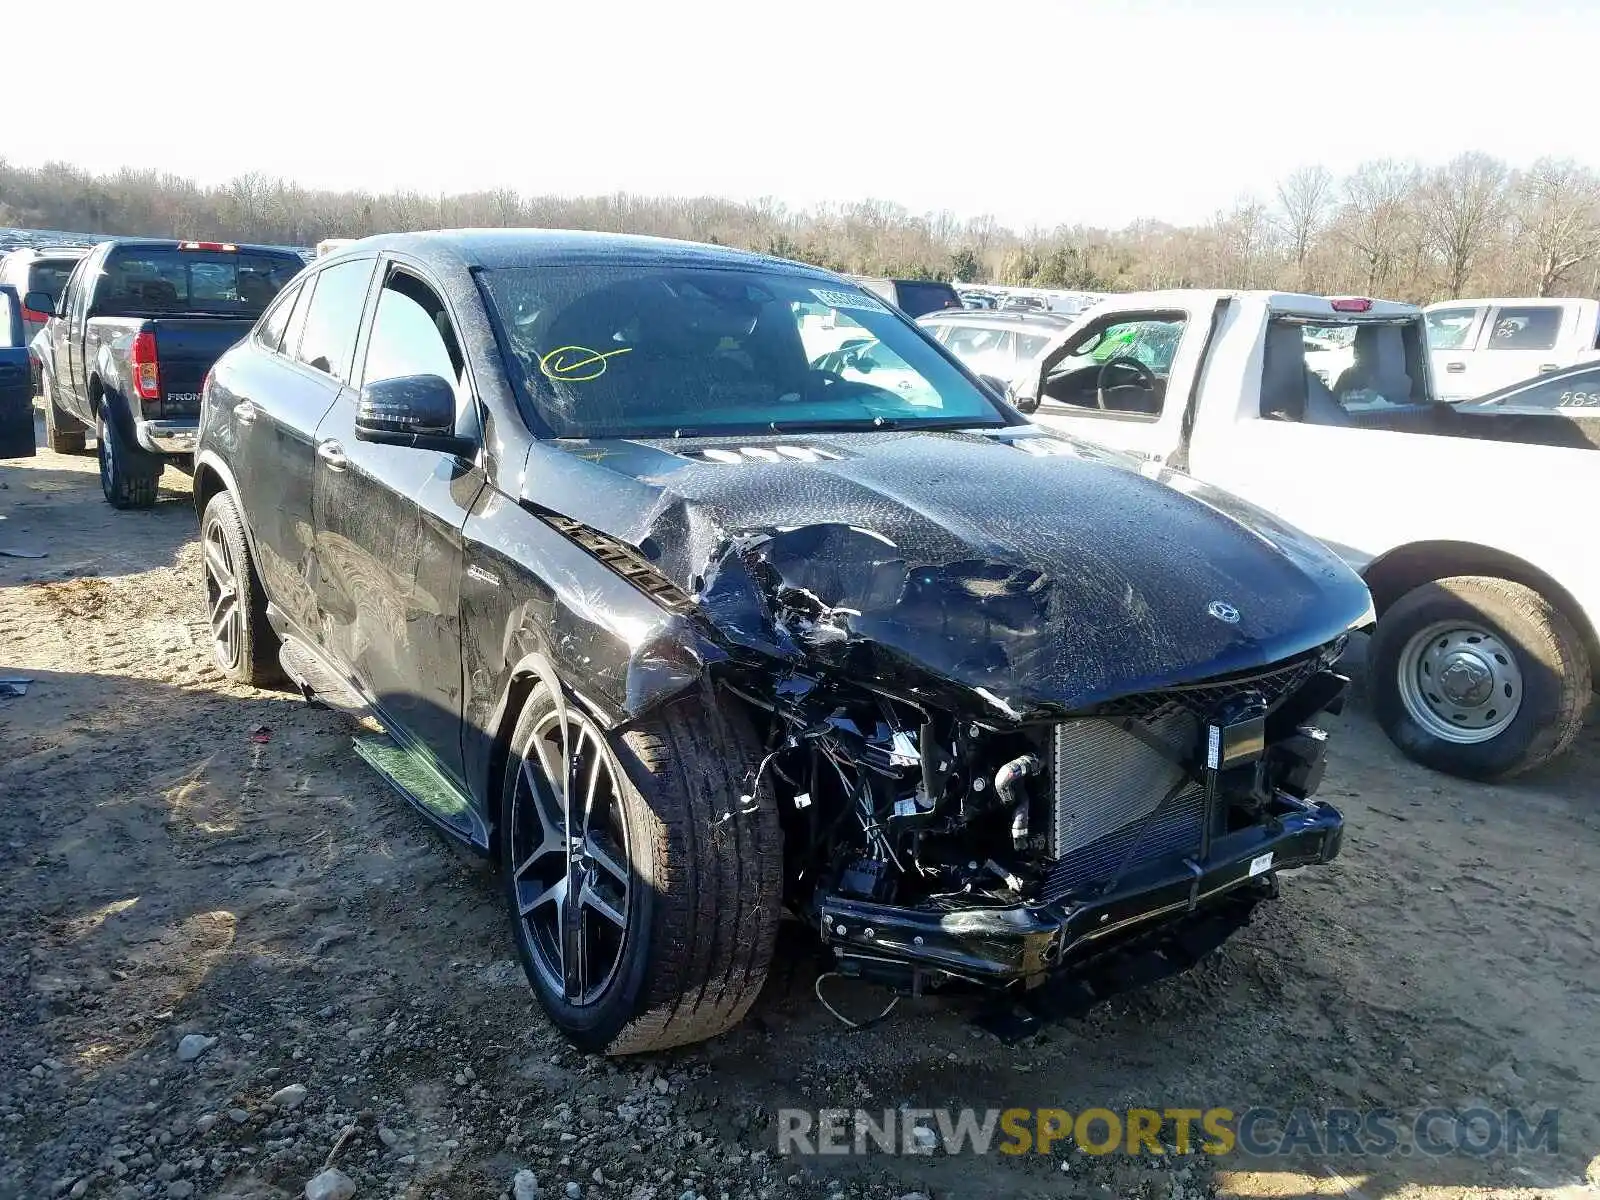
[[1479, 346], [1469, 525]]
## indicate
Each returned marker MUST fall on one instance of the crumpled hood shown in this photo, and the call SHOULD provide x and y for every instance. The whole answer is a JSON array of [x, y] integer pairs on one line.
[[1035, 582]]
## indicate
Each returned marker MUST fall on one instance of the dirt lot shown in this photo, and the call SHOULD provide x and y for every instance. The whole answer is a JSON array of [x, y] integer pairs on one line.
[[163, 873]]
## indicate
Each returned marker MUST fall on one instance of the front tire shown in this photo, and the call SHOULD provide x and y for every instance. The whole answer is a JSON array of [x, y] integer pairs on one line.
[[646, 910], [1479, 677], [63, 432], [242, 642], [129, 476]]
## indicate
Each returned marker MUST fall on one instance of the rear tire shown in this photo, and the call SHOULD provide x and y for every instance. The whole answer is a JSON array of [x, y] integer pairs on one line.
[[1502, 642], [129, 476], [678, 951], [63, 432], [243, 644]]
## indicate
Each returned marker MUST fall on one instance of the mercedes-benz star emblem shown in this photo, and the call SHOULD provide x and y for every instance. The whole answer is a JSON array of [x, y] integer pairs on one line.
[[1223, 611]]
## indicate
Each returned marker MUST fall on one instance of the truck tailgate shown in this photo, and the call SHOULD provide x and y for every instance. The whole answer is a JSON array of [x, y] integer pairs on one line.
[[188, 347]]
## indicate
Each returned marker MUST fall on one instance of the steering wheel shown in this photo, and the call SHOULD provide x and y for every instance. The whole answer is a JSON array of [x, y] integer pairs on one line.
[[1146, 380]]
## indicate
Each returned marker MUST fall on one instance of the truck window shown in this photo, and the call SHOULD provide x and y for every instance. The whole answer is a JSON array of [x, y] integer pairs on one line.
[[1450, 328], [1119, 369], [142, 280], [1529, 328], [1327, 373]]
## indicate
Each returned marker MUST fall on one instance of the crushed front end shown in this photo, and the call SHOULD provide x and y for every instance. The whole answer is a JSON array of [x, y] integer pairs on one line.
[[1062, 860]]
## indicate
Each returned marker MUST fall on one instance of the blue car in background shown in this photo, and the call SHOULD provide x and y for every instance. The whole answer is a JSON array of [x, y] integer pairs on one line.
[[16, 392]]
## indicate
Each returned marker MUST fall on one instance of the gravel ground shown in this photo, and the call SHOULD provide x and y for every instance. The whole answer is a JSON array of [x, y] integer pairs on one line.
[[230, 958]]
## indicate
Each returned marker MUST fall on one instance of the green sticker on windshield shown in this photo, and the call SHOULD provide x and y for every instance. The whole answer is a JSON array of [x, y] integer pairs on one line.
[[857, 300]]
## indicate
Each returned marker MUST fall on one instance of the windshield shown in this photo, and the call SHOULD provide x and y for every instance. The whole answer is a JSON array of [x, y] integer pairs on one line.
[[167, 280], [640, 350]]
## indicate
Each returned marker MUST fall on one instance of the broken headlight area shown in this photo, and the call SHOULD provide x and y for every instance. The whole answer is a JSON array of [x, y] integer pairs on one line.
[[931, 848]]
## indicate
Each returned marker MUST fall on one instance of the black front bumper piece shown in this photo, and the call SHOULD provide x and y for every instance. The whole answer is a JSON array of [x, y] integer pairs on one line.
[[1196, 903]]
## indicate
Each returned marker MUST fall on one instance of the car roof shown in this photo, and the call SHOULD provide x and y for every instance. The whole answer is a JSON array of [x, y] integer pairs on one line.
[[500, 248]]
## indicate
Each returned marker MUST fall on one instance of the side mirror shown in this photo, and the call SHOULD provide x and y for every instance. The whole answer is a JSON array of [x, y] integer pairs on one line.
[[1022, 402], [418, 411], [40, 302]]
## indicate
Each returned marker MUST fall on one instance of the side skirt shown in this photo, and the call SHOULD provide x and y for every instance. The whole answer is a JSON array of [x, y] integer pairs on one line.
[[407, 768]]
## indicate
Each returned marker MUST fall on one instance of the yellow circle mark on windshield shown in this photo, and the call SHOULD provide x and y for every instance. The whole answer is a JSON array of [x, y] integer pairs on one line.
[[575, 364]]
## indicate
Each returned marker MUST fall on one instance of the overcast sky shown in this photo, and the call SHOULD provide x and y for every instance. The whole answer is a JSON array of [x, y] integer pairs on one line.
[[1077, 110]]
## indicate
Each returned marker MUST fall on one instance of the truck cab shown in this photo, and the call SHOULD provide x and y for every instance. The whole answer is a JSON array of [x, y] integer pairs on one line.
[[1486, 600], [1480, 346]]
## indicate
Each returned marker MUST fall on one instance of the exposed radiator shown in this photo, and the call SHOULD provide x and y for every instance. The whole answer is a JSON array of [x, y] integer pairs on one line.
[[1108, 784], [1106, 776]]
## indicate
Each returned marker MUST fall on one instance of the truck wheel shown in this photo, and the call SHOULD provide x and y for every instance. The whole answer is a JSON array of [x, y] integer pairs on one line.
[[646, 910], [63, 432], [242, 642], [129, 476], [1478, 677]]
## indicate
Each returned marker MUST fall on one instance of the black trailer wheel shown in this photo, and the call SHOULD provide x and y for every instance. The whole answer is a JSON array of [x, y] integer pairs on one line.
[[129, 476], [1478, 677], [644, 895], [63, 432], [242, 642]]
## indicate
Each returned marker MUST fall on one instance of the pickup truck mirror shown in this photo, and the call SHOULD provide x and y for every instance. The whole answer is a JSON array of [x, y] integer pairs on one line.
[[40, 302], [413, 410]]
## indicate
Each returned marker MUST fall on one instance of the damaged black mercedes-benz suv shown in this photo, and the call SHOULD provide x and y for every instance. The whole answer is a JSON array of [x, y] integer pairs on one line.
[[700, 588]]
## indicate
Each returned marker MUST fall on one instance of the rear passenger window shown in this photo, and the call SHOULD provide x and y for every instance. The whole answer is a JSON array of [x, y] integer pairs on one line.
[[1525, 328], [271, 333], [333, 318]]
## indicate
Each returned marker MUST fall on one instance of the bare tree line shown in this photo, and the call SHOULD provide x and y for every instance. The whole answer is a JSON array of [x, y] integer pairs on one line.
[[1474, 225]]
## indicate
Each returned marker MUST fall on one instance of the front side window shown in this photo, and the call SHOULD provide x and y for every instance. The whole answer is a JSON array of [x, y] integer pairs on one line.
[[1117, 369], [1530, 328], [333, 317], [633, 350], [1451, 328]]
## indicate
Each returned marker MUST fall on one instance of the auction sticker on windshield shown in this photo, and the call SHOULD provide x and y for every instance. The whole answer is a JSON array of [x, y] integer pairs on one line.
[[577, 364], [860, 300]]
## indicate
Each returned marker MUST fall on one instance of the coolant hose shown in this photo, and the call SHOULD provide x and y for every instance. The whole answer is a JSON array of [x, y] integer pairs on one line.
[[1009, 787]]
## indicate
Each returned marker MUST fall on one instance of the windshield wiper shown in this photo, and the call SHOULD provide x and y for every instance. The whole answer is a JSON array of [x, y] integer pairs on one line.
[[834, 425]]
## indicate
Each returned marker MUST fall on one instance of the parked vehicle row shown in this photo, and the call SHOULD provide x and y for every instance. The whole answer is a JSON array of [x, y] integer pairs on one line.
[[134, 330], [688, 628]]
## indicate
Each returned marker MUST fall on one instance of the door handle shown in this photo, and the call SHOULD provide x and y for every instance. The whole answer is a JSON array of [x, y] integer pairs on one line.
[[332, 453], [1547, 367], [244, 412], [1455, 368]]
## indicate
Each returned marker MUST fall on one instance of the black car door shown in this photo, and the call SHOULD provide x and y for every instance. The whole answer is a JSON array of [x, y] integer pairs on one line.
[[388, 527], [16, 391], [273, 398]]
